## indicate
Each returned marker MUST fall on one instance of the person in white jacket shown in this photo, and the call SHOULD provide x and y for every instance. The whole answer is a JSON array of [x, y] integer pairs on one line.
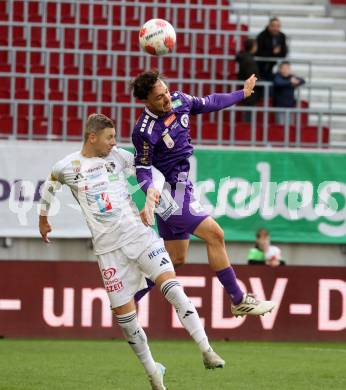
[[126, 249]]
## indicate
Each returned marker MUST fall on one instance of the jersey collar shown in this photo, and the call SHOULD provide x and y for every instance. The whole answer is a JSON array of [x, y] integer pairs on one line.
[[150, 113]]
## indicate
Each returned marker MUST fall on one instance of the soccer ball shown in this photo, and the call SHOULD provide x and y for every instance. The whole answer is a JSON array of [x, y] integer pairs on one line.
[[157, 37]]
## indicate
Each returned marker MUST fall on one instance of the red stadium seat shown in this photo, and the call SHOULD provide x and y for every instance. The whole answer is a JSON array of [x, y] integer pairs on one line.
[[4, 31], [75, 127], [51, 37], [19, 36], [309, 136], [67, 13], [6, 124], [243, 133], [3, 10], [36, 62], [5, 87], [276, 134], [70, 66], [18, 10], [34, 12], [21, 88]]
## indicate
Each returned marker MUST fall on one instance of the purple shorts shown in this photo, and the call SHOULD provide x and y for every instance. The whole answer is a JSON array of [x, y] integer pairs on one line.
[[185, 220]]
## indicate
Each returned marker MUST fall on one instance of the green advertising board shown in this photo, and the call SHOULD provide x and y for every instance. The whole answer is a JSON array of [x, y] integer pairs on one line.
[[298, 196]]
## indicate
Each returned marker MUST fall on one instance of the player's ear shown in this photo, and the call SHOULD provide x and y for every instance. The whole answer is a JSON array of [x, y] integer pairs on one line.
[[92, 137]]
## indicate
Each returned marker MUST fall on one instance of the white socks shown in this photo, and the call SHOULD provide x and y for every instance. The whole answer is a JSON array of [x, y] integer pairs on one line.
[[186, 311], [137, 339]]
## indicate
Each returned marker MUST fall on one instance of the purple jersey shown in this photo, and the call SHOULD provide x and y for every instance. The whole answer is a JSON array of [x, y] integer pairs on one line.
[[164, 141]]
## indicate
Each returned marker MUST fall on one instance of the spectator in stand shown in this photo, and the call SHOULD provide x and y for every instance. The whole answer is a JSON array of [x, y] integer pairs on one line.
[[263, 253], [271, 42], [247, 67], [285, 84]]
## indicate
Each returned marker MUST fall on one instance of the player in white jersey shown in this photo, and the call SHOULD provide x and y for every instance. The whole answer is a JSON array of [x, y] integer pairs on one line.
[[127, 250]]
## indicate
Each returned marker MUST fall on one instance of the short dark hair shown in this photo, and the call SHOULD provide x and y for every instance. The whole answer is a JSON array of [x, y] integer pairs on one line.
[[262, 232], [249, 44], [144, 83], [274, 19], [284, 63], [96, 123]]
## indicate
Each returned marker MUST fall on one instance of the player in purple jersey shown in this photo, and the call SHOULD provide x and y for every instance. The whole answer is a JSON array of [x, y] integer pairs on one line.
[[161, 138]]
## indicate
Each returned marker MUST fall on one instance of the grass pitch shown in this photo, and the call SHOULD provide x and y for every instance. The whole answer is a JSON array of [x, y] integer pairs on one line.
[[111, 365]]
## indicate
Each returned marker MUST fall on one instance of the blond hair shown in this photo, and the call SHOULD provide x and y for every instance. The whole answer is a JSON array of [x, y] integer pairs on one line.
[[96, 123]]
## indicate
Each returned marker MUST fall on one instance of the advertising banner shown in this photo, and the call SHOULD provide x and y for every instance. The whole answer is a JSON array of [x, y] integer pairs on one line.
[[67, 300], [298, 196]]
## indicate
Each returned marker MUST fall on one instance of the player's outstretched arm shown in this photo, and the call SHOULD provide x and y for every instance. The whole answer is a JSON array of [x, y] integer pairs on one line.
[[44, 227], [49, 189], [249, 86]]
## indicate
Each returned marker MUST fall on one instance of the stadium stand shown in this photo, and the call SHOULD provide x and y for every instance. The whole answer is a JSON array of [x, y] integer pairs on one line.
[[317, 49], [61, 60]]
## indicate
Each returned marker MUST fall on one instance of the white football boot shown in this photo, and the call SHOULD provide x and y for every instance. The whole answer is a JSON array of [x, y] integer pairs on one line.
[[252, 307], [156, 380], [212, 360]]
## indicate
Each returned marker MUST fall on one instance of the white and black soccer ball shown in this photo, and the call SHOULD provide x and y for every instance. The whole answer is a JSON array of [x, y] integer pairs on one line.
[[157, 37]]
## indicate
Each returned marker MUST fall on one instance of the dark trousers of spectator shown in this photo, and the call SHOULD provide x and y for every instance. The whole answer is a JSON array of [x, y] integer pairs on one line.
[[266, 70]]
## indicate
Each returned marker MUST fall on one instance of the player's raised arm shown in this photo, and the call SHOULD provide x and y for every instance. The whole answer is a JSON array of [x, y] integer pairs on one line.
[[249, 86], [219, 101], [50, 187]]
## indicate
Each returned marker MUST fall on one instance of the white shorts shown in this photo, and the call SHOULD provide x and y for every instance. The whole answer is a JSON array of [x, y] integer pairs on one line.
[[124, 270]]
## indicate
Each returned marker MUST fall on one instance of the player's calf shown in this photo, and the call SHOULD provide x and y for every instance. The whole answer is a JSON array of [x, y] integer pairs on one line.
[[189, 318]]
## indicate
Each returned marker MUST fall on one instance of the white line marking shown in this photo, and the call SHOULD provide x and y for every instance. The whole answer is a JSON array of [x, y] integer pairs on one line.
[[300, 308], [10, 304]]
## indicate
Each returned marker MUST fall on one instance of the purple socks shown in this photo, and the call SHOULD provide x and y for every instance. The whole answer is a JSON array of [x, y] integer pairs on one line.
[[228, 279]]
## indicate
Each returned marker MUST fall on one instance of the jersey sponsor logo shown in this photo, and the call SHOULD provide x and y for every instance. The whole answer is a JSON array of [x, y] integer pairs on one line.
[[177, 103], [150, 128], [184, 120], [103, 202], [167, 139], [168, 121], [108, 273], [167, 206], [144, 124], [113, 177], [156, 252], [145, 159], [112, 283]]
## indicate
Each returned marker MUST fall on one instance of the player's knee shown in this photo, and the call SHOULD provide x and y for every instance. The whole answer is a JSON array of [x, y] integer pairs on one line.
[[178, 260], [216, 236]]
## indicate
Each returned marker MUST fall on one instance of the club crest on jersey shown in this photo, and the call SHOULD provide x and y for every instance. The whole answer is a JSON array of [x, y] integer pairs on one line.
[[110, 166], [76, 166], [184, 120], [168, 121], [167, 139]]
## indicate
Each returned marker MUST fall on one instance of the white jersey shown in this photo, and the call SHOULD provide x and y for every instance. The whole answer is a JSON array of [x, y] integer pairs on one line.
[[100, 186]]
